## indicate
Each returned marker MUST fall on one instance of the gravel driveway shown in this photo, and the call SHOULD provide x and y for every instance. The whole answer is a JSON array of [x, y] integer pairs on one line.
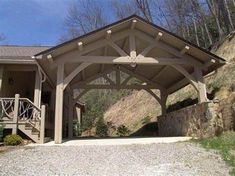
[[153, 159]]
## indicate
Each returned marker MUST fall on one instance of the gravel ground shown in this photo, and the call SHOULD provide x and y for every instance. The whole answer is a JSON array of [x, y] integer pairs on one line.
[[154, 159]]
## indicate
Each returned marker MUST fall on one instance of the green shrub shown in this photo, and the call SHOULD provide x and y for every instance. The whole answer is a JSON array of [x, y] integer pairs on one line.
[[12, 139], [123, 131], [101, 128]]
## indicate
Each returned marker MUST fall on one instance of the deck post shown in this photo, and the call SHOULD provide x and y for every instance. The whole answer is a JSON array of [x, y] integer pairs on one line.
[[59, 104], [42, 125], [164, 96], [202, 97], [15, 117], [37, 89], [70, 118]]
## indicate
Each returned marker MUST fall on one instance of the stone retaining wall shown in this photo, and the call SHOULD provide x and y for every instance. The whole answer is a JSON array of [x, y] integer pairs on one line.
[[200, 120], [227, 110]]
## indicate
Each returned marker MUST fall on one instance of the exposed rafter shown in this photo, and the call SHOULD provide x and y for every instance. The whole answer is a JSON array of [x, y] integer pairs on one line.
[[50, 58], [133, 23], [80, 46], [117, 48], [184, 50], [90, 47], [166, 47], [159, 36], [140, 77], [108, 34]]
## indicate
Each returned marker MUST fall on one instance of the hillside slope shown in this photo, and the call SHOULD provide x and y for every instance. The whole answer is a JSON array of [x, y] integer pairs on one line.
[[140, 108]]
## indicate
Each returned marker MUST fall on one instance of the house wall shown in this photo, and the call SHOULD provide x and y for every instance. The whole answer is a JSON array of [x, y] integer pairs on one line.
[[20, 79], [18, 82]]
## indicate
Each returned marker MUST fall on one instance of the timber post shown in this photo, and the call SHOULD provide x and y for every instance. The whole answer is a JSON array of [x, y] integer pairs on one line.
[[59, 104], [16, 111], [202, 97], [70, 118], [42, 124]]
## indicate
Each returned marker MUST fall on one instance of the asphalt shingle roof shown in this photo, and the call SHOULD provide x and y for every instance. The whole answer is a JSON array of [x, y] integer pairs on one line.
[[20, 51]]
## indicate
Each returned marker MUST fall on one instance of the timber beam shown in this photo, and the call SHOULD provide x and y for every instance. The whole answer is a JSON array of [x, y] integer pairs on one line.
[[103, 86]]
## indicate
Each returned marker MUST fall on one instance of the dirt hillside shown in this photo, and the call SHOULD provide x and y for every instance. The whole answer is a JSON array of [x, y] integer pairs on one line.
[[140, 108]]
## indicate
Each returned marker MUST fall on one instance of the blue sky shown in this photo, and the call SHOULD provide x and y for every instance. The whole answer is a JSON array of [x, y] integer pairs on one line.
[[32, 22]]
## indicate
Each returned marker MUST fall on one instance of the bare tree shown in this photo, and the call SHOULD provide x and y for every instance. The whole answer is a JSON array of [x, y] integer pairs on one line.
[[229, 14], [195, 30], [194, 20], [222, 13], [178, 13], [123, 9], [144, 7], [202, 15], [83, 17], [159, 14], [213, 9]]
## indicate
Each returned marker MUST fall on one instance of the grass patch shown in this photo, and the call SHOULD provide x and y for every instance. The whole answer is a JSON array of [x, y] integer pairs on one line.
[[225, 145]]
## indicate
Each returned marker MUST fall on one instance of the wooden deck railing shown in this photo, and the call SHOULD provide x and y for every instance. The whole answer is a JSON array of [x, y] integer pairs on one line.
[[22, 110]]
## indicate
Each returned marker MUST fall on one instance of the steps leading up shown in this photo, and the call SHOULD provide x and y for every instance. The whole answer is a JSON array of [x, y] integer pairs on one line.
[[30, 131]]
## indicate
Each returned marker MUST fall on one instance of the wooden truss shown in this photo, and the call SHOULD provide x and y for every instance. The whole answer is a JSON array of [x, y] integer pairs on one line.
[[84, 55]]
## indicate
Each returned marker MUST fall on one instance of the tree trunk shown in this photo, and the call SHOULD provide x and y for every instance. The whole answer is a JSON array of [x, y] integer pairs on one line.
[[233, 2], [187, 32], [203, 35], [223, 12], [195, 30], [143, 6], [213, 12], [208, 33], [229, 14], [202, 16]]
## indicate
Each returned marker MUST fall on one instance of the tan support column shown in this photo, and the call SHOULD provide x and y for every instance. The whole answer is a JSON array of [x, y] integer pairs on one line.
[[202, 97], [1, 77], [37, 89], [59, 104], [164, 96], [70, 118], [15, 117], [78, 112], [42, 125]]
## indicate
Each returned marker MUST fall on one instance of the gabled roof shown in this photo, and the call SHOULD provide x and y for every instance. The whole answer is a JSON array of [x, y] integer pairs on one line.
[[169, 46], [112, 25]]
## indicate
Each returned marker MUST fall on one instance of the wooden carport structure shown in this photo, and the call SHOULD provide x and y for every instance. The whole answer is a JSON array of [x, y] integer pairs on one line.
[[157, 58]]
